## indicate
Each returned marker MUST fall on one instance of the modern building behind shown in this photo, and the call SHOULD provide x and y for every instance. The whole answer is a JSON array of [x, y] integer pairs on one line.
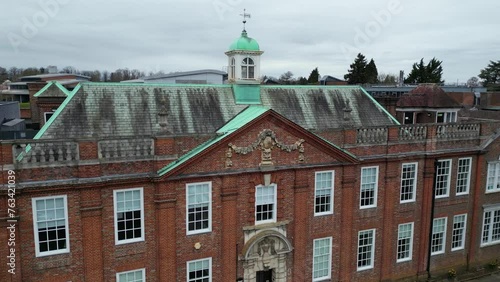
[[187, 77]]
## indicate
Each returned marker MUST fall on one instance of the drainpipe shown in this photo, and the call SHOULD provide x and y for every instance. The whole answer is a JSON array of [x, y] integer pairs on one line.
[[433, 202]]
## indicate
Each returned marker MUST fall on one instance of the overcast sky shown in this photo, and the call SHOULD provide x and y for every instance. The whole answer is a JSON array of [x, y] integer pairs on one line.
[[296, 36]]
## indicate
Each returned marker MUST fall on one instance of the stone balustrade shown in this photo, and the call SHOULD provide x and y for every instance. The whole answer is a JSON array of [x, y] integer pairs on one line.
[[371, 135], [379, 135], [61, 152], [412, 132], [45, 152], [126, 148], [458, 130]]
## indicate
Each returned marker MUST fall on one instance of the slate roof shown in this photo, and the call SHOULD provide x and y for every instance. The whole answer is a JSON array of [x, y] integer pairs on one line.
[[234, 124], [427, 96], [110, 110]]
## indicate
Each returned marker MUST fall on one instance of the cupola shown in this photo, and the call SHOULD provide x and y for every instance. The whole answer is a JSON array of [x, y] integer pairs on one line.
[[244, 58]]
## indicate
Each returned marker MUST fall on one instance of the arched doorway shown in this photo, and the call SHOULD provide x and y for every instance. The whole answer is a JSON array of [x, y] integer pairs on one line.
[[265, 257]]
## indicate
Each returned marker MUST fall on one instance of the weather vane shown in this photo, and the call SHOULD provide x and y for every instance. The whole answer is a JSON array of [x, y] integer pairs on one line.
[[245, 16]]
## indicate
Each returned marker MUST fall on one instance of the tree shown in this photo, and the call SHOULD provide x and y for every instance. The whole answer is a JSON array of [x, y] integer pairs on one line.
[[357, 72], [30, 71], [94, 75], [14, 73], [3, 75], [286, 78], [387, 78], [491, 75], [313, 77], [473, 82], [371, 73], [69, 69], [135, 74], [302, 80], [105, 76], [430, 73]]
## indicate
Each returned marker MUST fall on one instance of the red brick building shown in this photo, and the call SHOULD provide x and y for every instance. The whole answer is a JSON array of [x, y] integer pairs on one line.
[[245, 182]]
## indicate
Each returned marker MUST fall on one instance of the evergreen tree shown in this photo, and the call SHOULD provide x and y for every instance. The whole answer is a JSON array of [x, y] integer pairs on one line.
[[302, 81], [313, 77], [357, 72], [491, 75], [371, 73], [430, 73]]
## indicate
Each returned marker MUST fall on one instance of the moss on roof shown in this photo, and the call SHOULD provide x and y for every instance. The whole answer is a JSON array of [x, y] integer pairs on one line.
[[243, 118], [110, 110]]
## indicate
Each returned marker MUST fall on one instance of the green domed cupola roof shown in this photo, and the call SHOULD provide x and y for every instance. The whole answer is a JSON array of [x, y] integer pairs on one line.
[[244, 43]]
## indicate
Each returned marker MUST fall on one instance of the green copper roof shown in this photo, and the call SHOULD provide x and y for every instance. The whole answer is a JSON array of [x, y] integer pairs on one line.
[[53, 89], [231, 126], [247, 94], [51, 120], [244, 43]]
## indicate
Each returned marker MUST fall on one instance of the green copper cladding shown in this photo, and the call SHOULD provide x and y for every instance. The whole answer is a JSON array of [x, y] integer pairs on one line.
[[247, 94], [244, 43]]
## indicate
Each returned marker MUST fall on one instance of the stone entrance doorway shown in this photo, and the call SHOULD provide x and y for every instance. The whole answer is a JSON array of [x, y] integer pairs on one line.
[[265, 257]]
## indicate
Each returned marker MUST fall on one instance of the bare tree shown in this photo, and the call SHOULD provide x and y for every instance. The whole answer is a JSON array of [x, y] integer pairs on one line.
[[387, 78], [69, 69], [473, 82], [286, 78]]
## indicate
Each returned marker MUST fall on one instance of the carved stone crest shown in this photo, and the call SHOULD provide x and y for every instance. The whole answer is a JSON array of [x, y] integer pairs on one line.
[[266, 142]]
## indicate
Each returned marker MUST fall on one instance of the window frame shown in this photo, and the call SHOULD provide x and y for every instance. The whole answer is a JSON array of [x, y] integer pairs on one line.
[[329, 275], [372, 250], [232, 68], [247, 67], [448, 116], [197, 260], [467, 173], [406, 117], [463, 235], [115, 216], [331, 189], [209, 228], [375, 189], [495, 177], [275, 204], [142, 270], [490, 224], [38, 253], [414, 185], [448, 179], [45, 114], [443, 244], [410, 244]]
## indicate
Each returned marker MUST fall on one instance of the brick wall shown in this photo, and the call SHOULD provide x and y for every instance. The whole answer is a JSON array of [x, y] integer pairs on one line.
[[89, 189]]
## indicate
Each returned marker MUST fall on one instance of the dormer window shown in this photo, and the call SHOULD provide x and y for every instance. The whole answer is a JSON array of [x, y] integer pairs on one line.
[[446, 117], [247, 69]]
